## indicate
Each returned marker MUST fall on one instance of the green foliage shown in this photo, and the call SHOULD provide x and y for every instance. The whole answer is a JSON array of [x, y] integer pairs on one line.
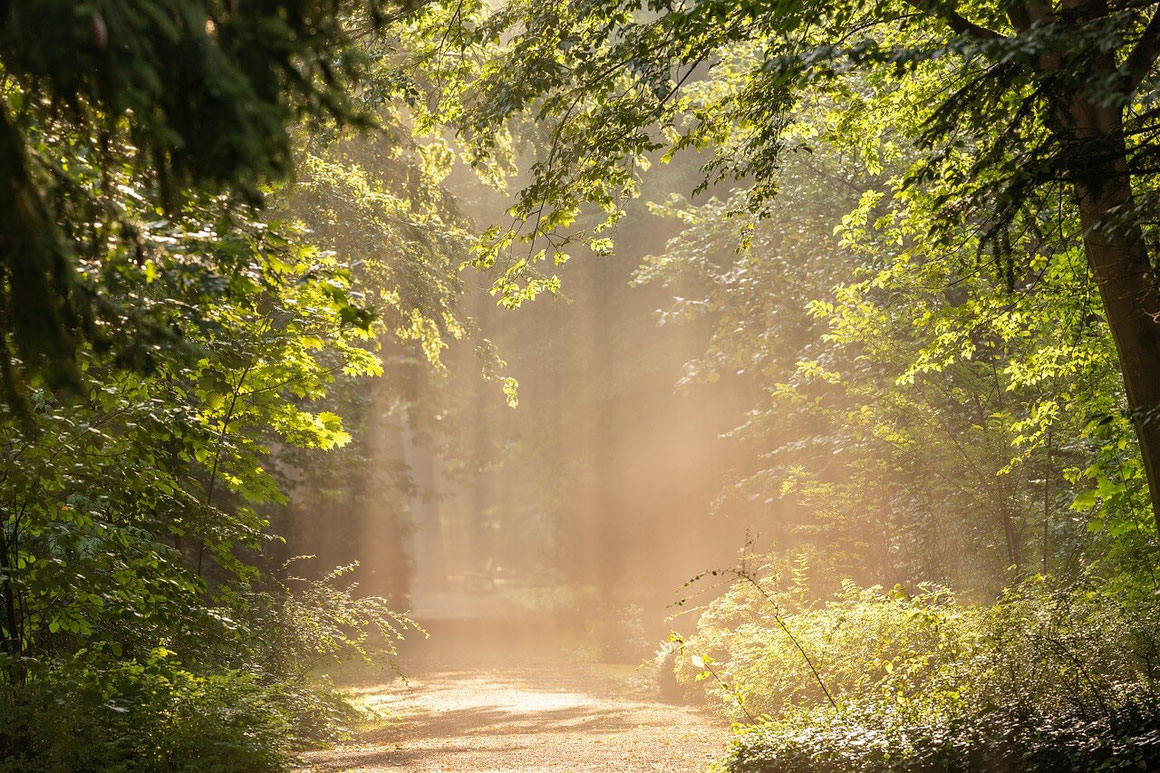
[[305, 625], [144, 717], [132, 506], [100, 486], [1005, 740], [1048, 678], [177, 354], [181, 95], [916, 420], [611, 84], [256, 705]]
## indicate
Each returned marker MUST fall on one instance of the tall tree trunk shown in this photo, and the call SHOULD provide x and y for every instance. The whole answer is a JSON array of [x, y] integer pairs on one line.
[[1118, 256], [13, 628], [430, 551], [1011, 532]]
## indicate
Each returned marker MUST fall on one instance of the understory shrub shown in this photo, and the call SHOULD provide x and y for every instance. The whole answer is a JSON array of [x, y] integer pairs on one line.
[[617, 635], [245, 695], [1047, 678], [150, 716], [1127, 738]]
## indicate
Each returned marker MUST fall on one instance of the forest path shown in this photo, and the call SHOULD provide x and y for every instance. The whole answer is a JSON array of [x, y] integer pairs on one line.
[[510, 695], [537, 718]]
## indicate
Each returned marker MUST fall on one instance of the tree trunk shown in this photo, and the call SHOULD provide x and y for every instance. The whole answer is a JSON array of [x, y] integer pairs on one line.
[[1118, 257], [1010, 533], [14, 638], [430, 551]]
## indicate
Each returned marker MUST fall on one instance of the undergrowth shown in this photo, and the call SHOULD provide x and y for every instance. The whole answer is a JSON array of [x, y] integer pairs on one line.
[[1048, 677], [242, 694]]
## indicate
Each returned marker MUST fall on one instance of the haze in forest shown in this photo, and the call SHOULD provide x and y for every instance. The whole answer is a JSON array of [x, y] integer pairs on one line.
[[523, 385], [597, 489]]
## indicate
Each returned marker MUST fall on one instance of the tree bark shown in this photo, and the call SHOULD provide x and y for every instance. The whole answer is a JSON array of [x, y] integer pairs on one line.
[[14, 639], [1118, 257]]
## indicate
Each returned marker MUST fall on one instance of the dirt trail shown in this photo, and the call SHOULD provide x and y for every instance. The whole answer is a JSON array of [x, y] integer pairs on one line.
[[513, 699], [522, 720]]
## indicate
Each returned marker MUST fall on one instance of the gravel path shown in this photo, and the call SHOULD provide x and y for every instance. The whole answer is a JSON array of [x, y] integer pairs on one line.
[[540, 718]]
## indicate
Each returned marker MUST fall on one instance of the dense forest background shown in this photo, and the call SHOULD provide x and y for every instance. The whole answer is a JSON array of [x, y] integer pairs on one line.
[[318, 311]]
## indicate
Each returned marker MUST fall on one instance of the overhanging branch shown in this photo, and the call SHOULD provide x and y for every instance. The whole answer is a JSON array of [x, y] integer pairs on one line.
[[1144, 55], [960, 24]]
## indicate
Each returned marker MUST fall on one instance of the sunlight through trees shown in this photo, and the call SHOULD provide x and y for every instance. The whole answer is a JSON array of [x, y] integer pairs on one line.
[[672, 362]]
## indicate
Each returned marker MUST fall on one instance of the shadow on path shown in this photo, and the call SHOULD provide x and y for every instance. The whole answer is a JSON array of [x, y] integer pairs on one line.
[[517, 707]]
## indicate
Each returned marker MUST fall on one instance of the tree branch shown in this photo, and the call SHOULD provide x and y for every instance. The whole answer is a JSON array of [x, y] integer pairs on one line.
[[1144, 55], [1018, 14], [956, 22]]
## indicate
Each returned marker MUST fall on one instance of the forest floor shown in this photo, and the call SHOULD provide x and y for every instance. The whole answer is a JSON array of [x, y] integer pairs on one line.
[[494, 693]]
